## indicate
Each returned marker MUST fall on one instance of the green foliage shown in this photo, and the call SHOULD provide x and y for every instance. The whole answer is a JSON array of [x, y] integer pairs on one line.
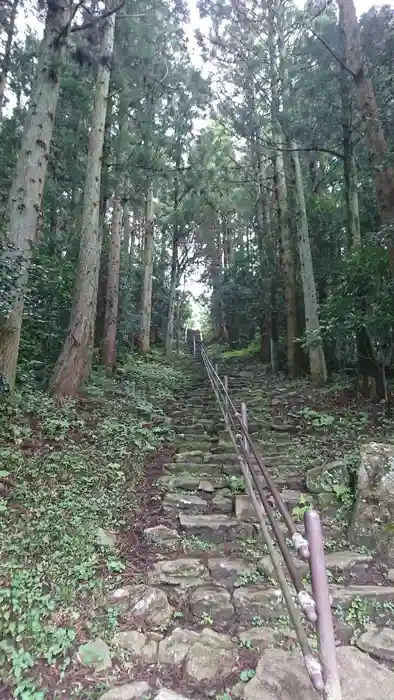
[[304, 505], [316, 419], [344, 495], [362, 298], [252, 349], [236, 483], [247, 674], [74, 469]]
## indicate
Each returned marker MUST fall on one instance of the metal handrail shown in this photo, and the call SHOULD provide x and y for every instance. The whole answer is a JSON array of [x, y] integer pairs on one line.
[[317, 609]]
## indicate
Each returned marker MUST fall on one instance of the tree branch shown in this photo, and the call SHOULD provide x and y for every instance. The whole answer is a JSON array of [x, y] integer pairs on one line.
[[333, 54], [97, 18]]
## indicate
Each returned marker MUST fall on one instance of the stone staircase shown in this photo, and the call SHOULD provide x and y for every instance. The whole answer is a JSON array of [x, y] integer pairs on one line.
[[208, 620]]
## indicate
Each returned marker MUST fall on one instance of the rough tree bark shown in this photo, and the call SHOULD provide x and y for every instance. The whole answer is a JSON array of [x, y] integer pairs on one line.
[[349, 162], [174, 255], [74, 360], [112, 287], [25, 198], [288, 262], [146, 300], [108, 348], [218, 316], [6, 62], [371, 125], [269, 353], [317, 360], [172, 296], [127, 241]]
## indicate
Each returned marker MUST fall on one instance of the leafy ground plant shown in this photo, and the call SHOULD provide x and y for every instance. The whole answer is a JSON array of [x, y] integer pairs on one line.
[[69, 472]]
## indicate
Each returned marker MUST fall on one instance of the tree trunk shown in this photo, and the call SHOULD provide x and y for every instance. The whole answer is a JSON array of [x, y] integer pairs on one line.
[[112, 290], [127, 236], [25, 198], [218, 315], [73, 362], [269, 353], [288, 262], [372, 127], [349, 164], [104, 233], [7, 52], [172, 298], [312, 326], [146, 301], [108, 347]]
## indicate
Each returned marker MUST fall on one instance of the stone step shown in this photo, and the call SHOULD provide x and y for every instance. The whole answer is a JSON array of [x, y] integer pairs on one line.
[[227, 571], [193, 482], [193, 468], [257, 601], [245, 510], [174, 501], [184, 572], [214, 527], [194, 429], [342, 595], [282, 674]]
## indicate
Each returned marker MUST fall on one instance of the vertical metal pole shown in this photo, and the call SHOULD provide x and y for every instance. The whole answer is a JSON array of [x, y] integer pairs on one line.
[[244, 416], [226, 400], [194, 345], [325, 629]]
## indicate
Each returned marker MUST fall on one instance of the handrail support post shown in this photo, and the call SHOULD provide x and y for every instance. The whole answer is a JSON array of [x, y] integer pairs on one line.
[[320, 590]]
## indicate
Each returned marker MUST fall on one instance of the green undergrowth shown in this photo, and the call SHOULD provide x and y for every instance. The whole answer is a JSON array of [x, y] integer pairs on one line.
[[66, 471], [252, 349]]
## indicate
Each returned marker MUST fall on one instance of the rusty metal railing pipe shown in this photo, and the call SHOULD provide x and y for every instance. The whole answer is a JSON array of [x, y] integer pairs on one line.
[[325, 676], [299, 542], [305, 599], [312, 664], [324, 626]]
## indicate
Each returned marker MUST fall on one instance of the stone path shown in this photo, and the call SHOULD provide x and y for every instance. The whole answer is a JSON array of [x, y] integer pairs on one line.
[[208, 620]]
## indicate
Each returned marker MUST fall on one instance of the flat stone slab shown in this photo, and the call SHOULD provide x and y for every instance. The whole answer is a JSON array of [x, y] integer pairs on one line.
[[205, 471], [223, 502], [378, 641], [205, 482], [265, 637], [228, 570], [190, 503], [221, 458], [266, 567], [244, 509], [95, 654], [174, 648], [160, 534], [183, 572], [344, 560], [257, 601], [138, 645], [325, 476], [345, 594], [193, 455], [214, 655], [169, 695], [213, 601], [130, 691], [214, 527], [282, 676], [140, 601]]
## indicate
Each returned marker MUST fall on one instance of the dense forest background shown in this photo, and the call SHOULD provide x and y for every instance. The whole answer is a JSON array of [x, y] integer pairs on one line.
[[128, 167], [248, 161]]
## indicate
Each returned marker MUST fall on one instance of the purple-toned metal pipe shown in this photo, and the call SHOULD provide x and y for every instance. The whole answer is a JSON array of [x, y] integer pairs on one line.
[[321, 595]]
